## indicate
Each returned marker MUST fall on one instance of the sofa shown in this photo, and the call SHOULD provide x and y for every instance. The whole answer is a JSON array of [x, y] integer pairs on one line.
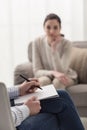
[[78, 63]]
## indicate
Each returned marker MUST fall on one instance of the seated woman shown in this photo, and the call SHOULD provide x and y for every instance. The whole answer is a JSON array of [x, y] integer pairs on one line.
[[51, 56], [50, 114]]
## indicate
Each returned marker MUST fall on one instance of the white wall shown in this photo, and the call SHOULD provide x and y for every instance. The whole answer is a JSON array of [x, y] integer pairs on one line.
[[77, 31], [85, 19]]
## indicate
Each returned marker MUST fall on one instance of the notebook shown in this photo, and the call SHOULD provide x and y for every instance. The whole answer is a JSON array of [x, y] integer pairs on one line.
[[47, 92]]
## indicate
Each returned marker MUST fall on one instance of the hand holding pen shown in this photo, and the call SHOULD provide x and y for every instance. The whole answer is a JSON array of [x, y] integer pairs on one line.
[[30, 86]]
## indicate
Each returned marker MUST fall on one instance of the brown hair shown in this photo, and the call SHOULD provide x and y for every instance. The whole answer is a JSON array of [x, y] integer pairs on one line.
[[52, 16]]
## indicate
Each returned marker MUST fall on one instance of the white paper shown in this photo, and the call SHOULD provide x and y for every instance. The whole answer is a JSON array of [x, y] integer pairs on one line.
[[47, 92]]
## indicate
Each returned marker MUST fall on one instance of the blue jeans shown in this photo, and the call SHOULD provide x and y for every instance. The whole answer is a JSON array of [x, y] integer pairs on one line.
[[56, 114]]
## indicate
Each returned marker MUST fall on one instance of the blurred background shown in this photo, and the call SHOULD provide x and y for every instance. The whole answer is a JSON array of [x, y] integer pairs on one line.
[[22, 20]]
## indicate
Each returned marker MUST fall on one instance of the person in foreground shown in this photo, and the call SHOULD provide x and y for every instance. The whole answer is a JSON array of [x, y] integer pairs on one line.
[[51, 55], [50, 114]]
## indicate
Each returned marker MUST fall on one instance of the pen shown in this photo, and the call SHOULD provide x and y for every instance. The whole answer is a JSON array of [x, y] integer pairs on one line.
[[30, 81]]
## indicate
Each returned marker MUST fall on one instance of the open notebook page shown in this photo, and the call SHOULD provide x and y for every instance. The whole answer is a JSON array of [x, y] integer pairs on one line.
[[47, 92]]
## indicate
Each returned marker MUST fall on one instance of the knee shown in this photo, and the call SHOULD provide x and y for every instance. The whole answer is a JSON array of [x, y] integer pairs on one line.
[[63, 93], [57, 84], [44, 80], [65, 96]]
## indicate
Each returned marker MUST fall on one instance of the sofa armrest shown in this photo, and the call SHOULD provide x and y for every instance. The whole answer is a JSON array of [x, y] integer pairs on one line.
[[25, 69], [79, 63]]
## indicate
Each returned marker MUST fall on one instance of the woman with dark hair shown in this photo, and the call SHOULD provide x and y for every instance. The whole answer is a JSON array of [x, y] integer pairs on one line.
[[51, 56]]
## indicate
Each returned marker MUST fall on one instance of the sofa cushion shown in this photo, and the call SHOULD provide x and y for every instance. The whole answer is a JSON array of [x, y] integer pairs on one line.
[[80, 44], [79, 63], [79, 94]]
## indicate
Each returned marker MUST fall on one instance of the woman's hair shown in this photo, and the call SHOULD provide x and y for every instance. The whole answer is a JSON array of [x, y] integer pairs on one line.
[[52, 16]]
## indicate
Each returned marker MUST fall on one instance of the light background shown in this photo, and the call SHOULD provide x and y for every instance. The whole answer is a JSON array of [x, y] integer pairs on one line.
[[22, 20]]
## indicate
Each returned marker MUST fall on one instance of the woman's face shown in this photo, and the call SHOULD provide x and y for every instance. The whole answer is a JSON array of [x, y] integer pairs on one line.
[[52, 29]]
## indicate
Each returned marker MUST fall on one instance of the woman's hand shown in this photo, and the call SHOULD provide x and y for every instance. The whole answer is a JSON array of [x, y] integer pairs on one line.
[[61, 76], [55, 41]]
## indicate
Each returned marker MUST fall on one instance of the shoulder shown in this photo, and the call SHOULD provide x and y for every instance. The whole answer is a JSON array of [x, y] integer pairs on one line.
[[66, 45], [66, 42], [39, 41]]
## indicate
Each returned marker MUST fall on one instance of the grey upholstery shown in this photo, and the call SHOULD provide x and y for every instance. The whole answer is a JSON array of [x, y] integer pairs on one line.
[[78, 63], [5, 112]]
